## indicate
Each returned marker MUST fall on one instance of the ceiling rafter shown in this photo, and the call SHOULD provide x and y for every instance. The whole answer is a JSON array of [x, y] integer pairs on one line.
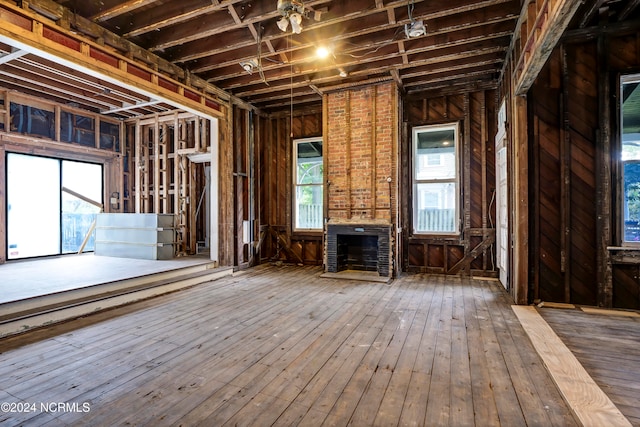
[[121, 9]]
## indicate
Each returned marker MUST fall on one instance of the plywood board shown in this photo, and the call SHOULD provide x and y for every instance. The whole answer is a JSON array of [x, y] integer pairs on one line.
[[587, 401]]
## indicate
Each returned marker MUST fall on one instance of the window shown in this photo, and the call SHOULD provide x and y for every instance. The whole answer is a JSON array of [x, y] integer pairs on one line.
[[42, 218], [308, 180], [630, 157], [435, 179]]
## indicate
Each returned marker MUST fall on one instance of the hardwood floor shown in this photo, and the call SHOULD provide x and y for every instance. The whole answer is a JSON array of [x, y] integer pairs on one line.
[[607, 347], [281, 346]]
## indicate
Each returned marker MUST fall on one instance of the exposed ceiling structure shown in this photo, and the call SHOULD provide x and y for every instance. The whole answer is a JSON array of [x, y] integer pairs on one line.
[[239, 46]]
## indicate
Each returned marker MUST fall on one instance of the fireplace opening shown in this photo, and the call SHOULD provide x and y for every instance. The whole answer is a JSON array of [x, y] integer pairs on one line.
[[364, 247], [357, 252]]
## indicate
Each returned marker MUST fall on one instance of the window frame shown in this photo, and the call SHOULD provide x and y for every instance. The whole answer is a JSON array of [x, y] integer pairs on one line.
[[620, 193], [455, 127], [295, 184]]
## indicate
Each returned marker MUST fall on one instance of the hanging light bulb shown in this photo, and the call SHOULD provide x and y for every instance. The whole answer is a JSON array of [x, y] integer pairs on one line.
[[296, 23], [283, 23]]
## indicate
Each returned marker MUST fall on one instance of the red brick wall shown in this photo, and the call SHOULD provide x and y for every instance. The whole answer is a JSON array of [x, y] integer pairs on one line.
[[361, 153]]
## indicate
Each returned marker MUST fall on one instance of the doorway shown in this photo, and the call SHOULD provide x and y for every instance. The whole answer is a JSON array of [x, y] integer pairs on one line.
[[51, 204]]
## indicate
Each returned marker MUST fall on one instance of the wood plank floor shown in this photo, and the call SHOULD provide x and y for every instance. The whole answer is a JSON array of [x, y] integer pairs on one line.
[[281, 346], [607, 347]]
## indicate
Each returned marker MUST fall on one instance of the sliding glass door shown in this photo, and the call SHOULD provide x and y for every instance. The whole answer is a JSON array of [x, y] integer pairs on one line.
[[43, 217]]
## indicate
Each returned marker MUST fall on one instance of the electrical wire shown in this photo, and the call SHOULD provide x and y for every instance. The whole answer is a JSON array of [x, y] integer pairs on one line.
[[260, 71]]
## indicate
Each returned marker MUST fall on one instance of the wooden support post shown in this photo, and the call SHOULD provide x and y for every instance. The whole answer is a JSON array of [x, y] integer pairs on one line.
[[156, 166], [325, 162], [565, 176], [137, 165], [466, 161], [603, 181], [520, 201], [146, 171], [164, 146], [176, 167], [483, 155]]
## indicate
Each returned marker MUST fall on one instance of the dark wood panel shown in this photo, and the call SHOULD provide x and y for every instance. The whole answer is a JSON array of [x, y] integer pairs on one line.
[[478, 118], [626, 286]]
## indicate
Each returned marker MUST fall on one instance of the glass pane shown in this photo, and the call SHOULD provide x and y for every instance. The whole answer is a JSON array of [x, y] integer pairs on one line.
[[309, 207], [33, 206], [435, 207], [309, 162], [631, 121], [77, 214], [435, 156], [630, 154]]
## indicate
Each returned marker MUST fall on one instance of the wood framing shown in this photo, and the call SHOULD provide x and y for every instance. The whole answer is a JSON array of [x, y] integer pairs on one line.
[[541, 24], [32, 33]]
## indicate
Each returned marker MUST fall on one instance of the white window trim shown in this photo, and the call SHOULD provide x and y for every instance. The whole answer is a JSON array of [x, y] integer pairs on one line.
[[455, 126], [296, 185]]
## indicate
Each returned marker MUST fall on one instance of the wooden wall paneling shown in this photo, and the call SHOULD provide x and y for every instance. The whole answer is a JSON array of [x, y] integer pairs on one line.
[[626, 293], [583, 118], [546, 226], [477, 168]]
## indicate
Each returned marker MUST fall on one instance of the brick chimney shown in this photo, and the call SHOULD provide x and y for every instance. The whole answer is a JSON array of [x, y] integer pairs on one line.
[[361, 154]]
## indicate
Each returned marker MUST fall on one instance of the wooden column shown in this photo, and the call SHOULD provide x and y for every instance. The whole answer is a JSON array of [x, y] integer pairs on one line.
[[156, 166], [520, 208], [466, 178], [565, 176], [137, 164], [603, 183]]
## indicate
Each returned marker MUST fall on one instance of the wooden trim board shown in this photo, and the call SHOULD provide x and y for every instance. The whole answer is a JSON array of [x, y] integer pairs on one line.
[[590, 405], [603, 311]]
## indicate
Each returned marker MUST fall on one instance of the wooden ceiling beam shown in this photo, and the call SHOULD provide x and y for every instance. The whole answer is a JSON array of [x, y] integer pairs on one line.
[[437, 62], [339, 15], [628, 9], [376, 40], [121, 9], [544, 29], [435, 52], [175, 13]]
